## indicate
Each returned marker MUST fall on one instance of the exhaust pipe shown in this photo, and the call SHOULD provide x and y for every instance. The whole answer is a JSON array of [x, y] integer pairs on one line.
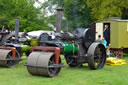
[[16, 29], [59, 20]]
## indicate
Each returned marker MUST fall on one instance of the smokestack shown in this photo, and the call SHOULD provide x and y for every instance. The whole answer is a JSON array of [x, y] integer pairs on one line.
[[16, 29], [59, 20]]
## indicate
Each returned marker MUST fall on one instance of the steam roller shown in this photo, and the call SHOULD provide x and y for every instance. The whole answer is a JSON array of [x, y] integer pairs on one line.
[[9, 55], [78, 48], [11, 49]]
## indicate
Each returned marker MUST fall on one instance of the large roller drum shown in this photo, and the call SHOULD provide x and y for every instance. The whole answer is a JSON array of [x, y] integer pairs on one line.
[[6, 59], [96, 56], [42, 63]]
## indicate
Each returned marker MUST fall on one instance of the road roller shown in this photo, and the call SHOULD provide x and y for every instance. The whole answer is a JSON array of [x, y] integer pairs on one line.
[[13, 45], [78, 47], [9, 55]]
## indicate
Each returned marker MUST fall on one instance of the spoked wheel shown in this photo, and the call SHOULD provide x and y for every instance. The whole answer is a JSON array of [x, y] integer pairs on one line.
[[12, 62], [42, 63], [96, 56], [72, 62], [53, 71], [6, 59]]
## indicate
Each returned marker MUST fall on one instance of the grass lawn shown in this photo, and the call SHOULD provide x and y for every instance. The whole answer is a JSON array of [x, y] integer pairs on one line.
[[110, 75]]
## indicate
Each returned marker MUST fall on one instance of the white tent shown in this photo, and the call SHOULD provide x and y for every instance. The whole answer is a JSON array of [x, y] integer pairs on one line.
[[38, 33]]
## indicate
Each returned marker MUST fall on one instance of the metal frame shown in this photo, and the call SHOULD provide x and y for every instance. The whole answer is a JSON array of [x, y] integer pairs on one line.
[[55, 49]]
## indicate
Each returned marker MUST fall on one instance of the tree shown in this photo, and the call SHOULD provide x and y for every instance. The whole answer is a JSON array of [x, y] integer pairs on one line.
[[25, 11], [102, 9], [76, 12]]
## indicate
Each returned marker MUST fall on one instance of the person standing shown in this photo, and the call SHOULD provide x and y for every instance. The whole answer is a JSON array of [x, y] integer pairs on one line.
[[107, 34], [104, 42]]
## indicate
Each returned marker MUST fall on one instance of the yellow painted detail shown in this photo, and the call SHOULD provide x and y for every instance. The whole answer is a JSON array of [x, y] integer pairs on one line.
[[114, 61]]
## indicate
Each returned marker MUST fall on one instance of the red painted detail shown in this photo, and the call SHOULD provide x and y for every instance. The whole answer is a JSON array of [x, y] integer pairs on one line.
[[55, 49], [10, 48], [116, 49]]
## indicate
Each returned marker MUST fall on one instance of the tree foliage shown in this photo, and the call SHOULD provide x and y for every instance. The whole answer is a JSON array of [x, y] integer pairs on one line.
[[76, 12], [102, 9], [25, 11]]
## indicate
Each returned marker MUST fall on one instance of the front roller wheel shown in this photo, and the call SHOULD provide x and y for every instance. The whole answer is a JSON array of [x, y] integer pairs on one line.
[[96, 56], [42, 64], [6, 59]]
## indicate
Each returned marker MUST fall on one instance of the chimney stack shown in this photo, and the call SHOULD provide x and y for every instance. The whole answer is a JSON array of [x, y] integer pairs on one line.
[[16, 29], [59, 20]]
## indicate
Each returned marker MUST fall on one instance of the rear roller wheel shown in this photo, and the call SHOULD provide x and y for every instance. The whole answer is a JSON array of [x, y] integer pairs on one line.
[[6, 59], [96, 56], [42, 63]]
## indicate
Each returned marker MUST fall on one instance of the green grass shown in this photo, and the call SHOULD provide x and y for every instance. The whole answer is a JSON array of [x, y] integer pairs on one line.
[[110, 75]]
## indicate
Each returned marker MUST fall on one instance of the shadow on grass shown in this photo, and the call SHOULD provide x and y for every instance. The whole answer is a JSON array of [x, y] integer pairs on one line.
[[83, 67], [39, 76]]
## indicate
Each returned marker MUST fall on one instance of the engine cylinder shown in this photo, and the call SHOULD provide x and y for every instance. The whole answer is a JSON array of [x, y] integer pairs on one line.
[[70, 48]]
